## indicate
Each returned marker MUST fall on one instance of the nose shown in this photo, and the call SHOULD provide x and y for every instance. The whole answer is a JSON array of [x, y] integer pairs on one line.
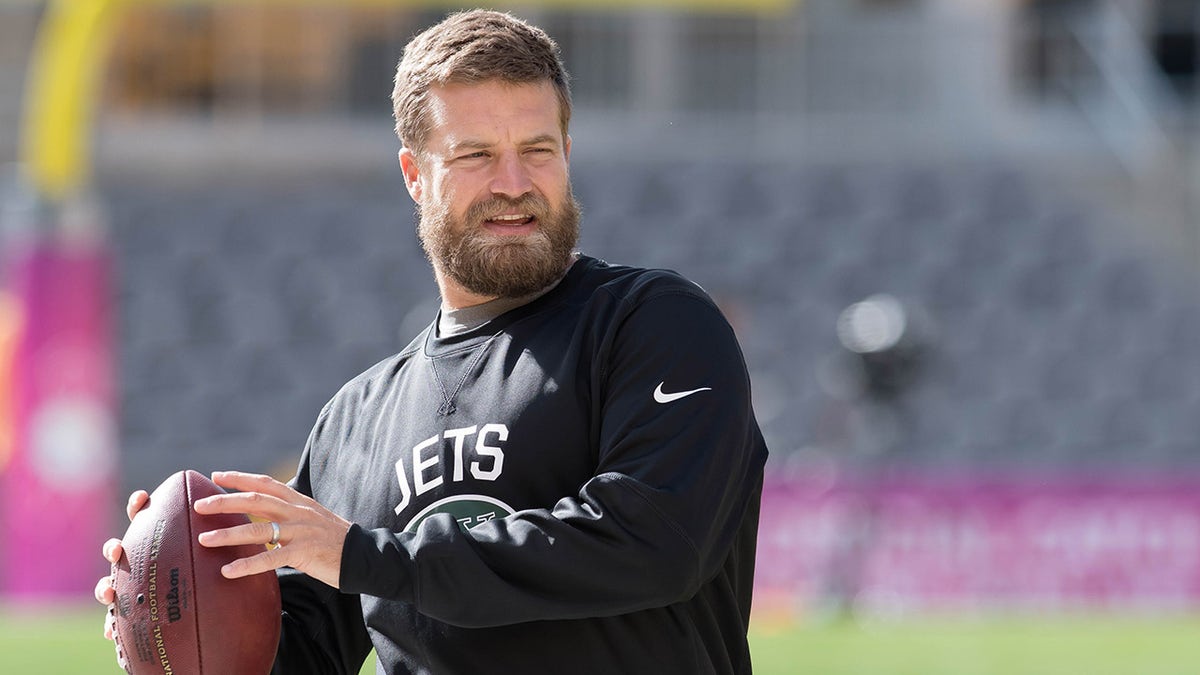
[[511, 178]]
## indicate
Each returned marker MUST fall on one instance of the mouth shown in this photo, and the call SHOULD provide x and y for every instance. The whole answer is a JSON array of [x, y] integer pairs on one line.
[[511, 224]]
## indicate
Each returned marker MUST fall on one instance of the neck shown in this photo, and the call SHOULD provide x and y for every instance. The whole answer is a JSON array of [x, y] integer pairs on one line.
[[454, 296]]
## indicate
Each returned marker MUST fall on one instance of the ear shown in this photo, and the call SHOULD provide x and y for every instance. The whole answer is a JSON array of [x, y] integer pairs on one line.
[[412, 173], [567, 148]]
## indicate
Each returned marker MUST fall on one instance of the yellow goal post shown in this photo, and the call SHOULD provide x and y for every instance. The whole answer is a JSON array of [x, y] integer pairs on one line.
[[71, 52]]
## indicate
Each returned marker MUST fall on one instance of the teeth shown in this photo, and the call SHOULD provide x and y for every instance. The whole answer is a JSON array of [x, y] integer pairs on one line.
[[511, 219]]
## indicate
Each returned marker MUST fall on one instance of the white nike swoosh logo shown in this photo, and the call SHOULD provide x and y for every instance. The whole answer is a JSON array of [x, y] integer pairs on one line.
[[661, 397]]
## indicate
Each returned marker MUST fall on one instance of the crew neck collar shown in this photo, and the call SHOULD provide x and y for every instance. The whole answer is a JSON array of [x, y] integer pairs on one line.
[[454, 322]]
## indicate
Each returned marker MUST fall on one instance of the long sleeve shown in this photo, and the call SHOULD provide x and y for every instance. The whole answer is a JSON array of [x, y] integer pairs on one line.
[[679, 465], [322, 631]]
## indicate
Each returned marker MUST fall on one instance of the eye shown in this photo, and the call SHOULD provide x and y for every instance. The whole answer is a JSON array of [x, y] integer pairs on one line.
[[474, 155]]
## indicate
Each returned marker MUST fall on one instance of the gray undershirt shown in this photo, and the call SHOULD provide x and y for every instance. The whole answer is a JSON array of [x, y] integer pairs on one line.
[[455, 321]]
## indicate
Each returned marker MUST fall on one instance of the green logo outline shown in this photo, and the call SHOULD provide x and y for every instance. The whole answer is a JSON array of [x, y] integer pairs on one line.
[[469, 510]]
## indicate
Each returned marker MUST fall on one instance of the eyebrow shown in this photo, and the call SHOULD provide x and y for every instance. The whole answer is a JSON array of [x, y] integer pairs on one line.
[[473, 144], [542, 139], [469, 145]]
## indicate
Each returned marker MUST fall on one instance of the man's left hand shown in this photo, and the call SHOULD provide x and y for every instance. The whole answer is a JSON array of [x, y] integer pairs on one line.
[[310, 535]]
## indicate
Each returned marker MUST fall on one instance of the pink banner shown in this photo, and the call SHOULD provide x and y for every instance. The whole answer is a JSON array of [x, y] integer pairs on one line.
[[57, 485], [929, 544]]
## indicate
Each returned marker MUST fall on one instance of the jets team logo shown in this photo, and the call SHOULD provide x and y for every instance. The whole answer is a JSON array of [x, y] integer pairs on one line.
[[468, 510]]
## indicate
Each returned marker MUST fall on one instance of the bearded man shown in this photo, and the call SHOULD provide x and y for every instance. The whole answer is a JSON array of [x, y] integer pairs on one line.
[[562, 472]]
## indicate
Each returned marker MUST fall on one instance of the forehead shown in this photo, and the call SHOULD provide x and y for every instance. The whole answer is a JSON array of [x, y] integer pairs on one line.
[[492, 111]]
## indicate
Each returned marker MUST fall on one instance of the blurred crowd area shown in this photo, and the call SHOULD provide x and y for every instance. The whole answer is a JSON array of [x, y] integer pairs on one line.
[[955, 238], [1014, 178]]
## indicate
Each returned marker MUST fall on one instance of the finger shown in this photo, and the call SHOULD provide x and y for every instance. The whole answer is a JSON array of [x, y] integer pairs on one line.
[[105, 594], [254, 482], [112, 550], [254, 503], [136, 502], [256, 564], [250, 533]]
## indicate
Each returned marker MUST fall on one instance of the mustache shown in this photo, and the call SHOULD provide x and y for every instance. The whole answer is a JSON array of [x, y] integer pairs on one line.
[[530, 203]]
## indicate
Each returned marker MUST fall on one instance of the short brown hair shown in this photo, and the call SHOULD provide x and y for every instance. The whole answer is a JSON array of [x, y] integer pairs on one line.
[[473, 46]]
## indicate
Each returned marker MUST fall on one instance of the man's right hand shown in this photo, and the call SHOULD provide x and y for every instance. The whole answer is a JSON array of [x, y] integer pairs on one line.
[[111, 551]]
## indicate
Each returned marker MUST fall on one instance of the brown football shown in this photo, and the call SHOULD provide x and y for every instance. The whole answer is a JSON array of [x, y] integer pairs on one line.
[[175, 613]]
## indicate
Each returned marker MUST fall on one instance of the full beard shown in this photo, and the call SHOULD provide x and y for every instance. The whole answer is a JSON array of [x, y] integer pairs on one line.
[[494, 265]]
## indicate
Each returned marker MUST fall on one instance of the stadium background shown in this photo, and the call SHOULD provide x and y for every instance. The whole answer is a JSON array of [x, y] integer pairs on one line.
[[958, 241]]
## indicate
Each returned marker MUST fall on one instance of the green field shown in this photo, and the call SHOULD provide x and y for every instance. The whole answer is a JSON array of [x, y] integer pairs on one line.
[[68, 642]]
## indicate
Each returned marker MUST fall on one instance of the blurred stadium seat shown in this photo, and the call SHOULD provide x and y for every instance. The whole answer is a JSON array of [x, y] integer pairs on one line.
[[1055, 344]]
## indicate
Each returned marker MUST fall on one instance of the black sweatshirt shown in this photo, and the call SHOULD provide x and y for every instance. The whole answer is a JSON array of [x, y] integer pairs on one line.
[[572, 487]]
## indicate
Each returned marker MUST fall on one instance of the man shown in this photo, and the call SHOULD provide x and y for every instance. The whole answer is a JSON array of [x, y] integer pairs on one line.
[[562, 473]]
